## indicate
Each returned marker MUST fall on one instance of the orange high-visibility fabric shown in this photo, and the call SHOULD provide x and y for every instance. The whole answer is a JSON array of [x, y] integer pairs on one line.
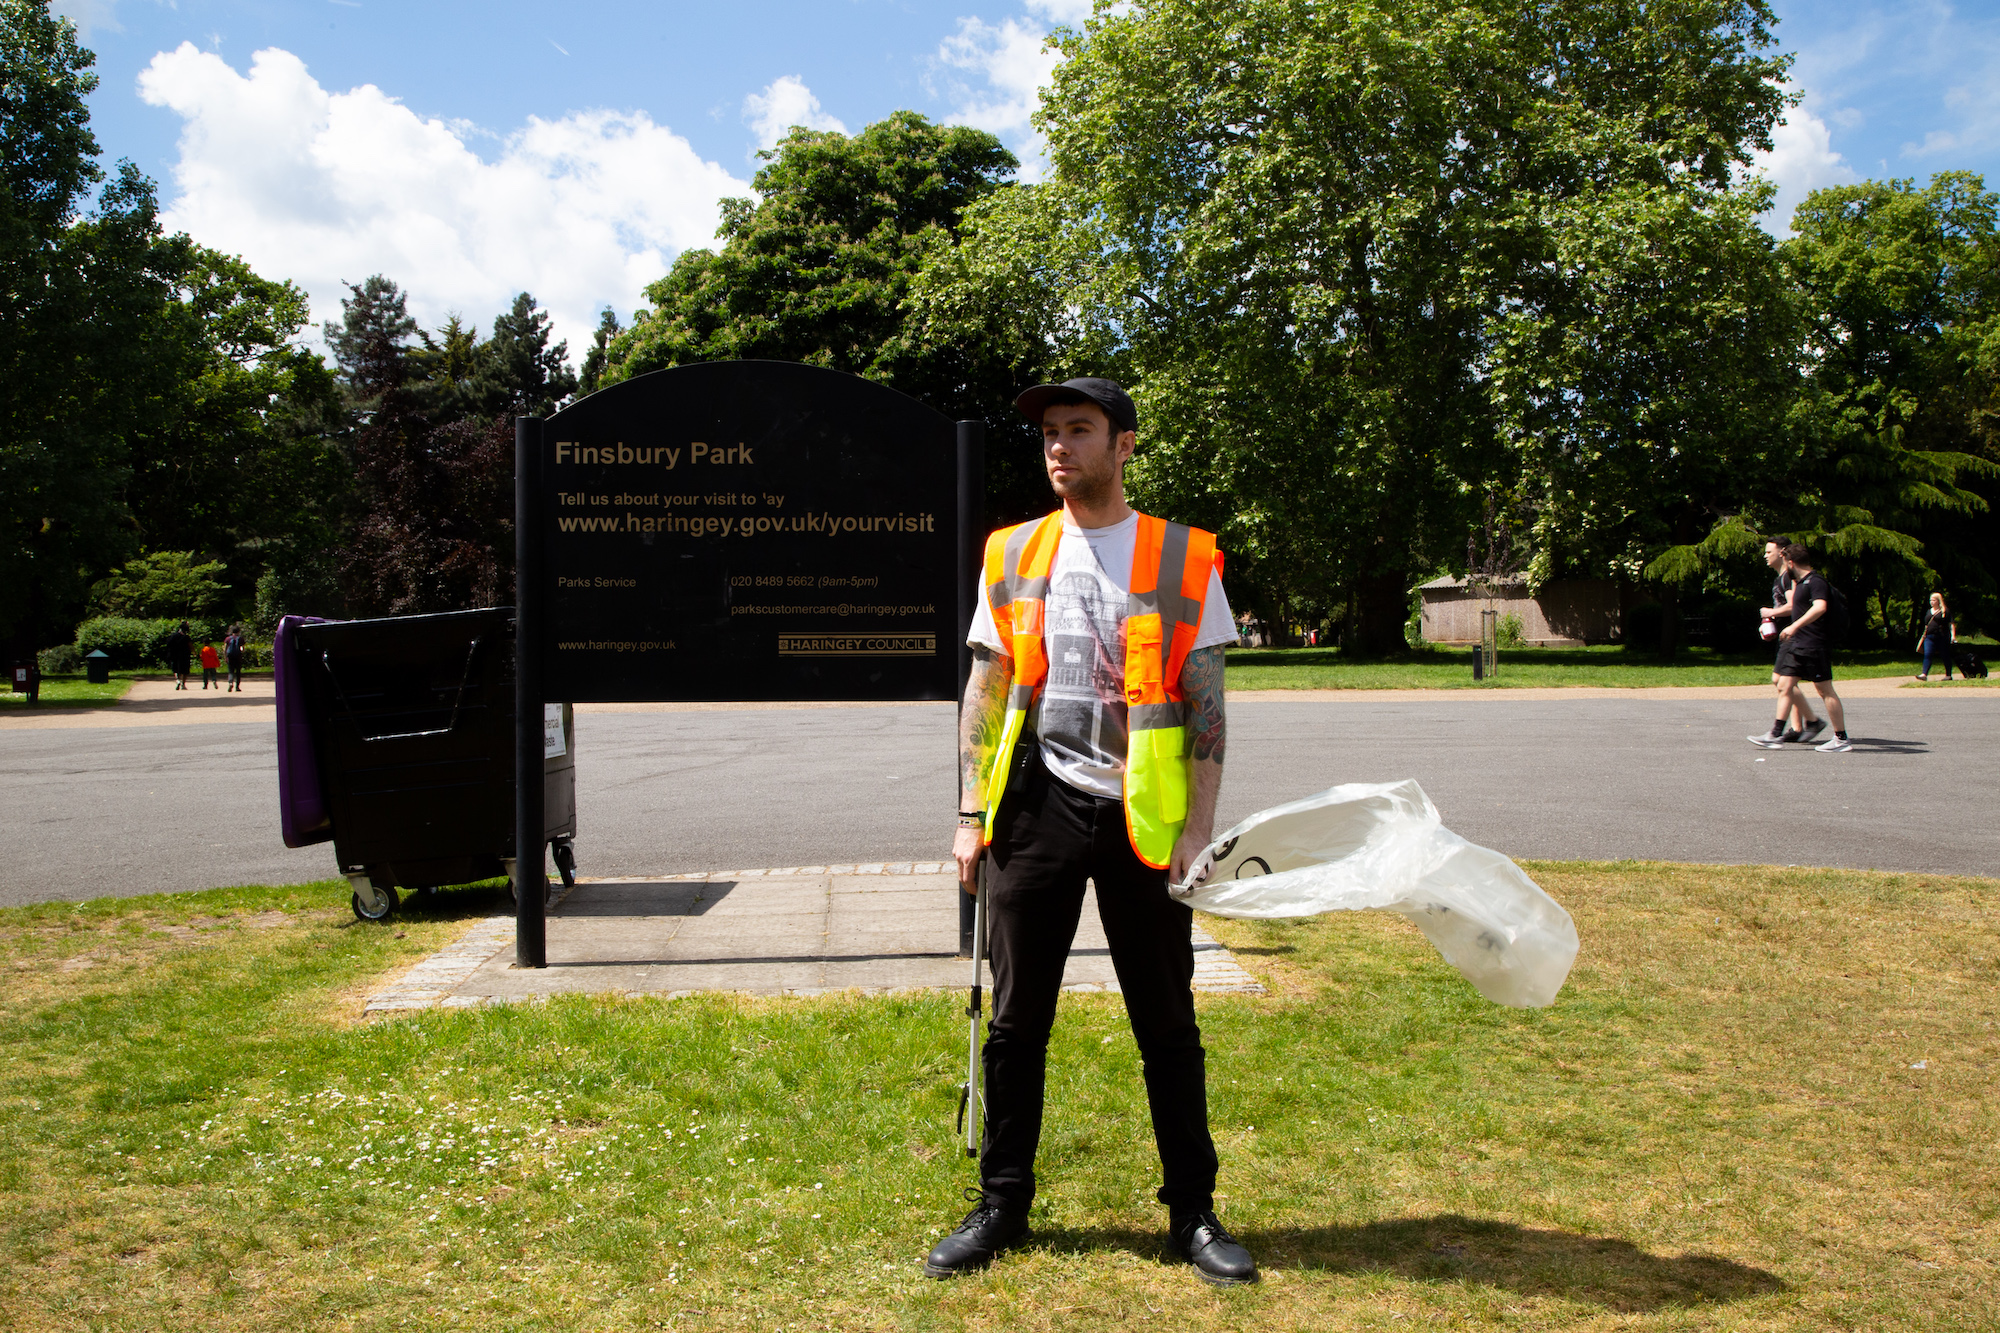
[[1161, 625]]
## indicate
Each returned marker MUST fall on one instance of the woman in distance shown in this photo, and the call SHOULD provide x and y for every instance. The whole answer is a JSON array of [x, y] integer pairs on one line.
[[1939, 637]]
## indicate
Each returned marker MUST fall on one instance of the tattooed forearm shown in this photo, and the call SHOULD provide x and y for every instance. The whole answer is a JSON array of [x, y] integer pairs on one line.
[[1201, 686], [979, 723]]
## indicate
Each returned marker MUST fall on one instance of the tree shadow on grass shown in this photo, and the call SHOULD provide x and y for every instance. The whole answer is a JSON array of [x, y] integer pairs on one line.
[[1532, 1261]]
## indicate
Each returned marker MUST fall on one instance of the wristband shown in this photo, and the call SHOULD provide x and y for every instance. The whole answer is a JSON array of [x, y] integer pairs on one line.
[[972, 814], [969, 821]]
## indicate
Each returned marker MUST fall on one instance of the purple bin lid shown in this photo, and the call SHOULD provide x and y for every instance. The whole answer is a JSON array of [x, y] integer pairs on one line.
[[301, 804]]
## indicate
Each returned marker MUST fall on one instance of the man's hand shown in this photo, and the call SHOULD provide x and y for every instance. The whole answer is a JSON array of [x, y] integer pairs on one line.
[[966, 849], [1788, 631], [1201, 686], [1187, 850]]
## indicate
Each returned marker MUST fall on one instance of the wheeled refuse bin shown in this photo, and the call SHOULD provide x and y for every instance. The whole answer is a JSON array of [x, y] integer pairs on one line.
[[409, 722]]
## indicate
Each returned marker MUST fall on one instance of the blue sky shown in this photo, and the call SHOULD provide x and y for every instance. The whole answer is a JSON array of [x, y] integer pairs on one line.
[[472, 150]]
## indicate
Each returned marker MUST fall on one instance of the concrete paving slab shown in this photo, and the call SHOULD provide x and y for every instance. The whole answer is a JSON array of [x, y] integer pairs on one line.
[[668, 938]]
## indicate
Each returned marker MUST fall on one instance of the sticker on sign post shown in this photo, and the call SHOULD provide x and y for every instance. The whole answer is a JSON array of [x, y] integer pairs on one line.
[[553, 745]]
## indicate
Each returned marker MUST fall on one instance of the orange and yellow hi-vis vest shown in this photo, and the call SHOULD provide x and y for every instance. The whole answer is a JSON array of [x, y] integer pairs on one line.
[[1170, 569]]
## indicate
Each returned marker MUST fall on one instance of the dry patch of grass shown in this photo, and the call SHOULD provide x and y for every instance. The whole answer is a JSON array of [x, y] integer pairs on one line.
[[1763, 1102]]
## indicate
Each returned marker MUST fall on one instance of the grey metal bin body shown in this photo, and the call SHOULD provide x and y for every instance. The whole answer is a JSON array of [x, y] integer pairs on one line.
[[413, 721]]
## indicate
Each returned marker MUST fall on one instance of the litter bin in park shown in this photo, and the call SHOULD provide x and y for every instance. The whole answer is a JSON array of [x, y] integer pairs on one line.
[[396, 743], [97, 667]]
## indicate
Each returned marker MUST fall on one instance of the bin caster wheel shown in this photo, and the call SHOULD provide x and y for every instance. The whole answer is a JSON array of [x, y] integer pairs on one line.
[[564, 855], [374, 904]]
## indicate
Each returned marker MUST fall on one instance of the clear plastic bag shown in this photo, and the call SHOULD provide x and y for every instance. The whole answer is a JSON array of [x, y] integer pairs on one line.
[[1382, 846]]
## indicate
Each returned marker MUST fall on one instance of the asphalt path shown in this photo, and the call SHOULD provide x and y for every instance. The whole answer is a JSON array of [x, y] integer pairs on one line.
[[127, 810]]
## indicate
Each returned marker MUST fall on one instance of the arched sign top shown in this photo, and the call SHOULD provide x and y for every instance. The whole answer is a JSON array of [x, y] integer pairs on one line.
[[746, 530], [698, 376]]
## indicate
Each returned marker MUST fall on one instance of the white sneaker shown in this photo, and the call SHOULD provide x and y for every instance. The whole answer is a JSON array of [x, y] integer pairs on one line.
[[1767, 741], [1838, 745]]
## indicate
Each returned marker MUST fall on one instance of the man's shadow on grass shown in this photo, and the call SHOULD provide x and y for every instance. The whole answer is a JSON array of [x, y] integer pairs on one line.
[[1533, 1261]]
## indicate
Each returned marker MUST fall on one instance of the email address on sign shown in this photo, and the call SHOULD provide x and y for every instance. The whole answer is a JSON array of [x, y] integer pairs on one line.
[[838, 609]]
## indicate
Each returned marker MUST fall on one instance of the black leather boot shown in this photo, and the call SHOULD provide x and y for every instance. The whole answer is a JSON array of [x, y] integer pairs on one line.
[[1200, 1239], [988, 1229]]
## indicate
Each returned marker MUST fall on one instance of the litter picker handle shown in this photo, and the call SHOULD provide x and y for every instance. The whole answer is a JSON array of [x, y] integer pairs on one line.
[[972, 1105]]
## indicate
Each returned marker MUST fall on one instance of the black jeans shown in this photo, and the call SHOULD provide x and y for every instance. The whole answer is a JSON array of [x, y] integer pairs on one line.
[[1048, 839]]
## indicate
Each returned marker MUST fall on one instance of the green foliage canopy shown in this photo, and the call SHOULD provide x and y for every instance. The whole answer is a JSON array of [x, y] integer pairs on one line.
[[1330, 242], [163, 584], [820, 269]]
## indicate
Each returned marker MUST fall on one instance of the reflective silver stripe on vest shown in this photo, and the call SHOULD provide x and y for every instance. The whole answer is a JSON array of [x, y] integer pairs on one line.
[[1156, 717], [1172, 605], [1012, 587]]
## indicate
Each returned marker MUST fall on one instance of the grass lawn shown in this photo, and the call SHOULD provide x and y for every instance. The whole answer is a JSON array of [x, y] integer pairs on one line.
[[1764, 1101], [70, 691], [1520, 668]]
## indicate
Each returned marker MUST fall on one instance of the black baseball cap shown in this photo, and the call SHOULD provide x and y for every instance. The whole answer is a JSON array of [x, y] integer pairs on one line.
[[1117, 404]]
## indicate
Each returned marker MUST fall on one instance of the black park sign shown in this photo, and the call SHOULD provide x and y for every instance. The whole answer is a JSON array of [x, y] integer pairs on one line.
[[747, 530], [733, 530]]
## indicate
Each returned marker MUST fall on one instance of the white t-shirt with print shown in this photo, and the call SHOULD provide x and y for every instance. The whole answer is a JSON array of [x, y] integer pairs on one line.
[[1080, 713]]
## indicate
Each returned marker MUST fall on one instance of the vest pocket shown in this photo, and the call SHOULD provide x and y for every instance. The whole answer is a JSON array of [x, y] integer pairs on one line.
[[1143, 660]]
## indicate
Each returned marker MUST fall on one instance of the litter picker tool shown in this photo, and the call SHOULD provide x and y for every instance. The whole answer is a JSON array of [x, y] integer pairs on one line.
[[971, 1103]]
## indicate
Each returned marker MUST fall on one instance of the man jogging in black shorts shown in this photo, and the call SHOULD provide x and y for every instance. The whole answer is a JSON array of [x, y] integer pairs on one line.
[[1805, 727], [1811, 656], [1093, 737]]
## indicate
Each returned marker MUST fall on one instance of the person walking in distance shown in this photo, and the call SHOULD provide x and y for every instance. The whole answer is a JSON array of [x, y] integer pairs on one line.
[[1092, 739], [1811, 656], [211, 662], [179, 648], [232, 655], [1804, 727], [1939, 638]]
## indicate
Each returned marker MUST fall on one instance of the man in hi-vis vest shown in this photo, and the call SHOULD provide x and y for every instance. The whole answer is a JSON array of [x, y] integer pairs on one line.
[[1093, 737]]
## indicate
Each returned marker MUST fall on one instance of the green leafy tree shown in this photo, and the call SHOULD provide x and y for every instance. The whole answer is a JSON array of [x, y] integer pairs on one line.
[[521, 374], [1897, 440], [820, 267], [433, 453], [598, 359], [166, 584], [1307, 230], [246, 458], [81, 300]]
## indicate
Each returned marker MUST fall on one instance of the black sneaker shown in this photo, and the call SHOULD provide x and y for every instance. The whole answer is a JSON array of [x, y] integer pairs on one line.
[[1812, 731], [1221, 1262], [988, 1229], [1790, 736]]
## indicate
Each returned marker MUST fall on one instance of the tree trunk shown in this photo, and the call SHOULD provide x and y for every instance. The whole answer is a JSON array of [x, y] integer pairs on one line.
[[1670, 619], [1383, 608]]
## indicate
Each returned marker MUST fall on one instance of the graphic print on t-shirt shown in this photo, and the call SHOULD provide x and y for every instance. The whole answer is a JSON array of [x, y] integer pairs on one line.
[[1083, 702]]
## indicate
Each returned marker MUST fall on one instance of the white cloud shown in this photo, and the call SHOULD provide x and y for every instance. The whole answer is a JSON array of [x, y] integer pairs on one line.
[[322, 187], [785, 102], [1072, 12], [1009, 65], [1801, 160]]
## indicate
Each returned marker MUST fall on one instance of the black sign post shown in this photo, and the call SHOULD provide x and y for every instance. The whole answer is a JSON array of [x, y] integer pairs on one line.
[[971, 534], [734, 530], [530, 872]]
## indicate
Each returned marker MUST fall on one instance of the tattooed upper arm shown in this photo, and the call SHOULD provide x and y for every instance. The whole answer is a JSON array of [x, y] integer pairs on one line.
[[981, 718], [1201, 686]]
